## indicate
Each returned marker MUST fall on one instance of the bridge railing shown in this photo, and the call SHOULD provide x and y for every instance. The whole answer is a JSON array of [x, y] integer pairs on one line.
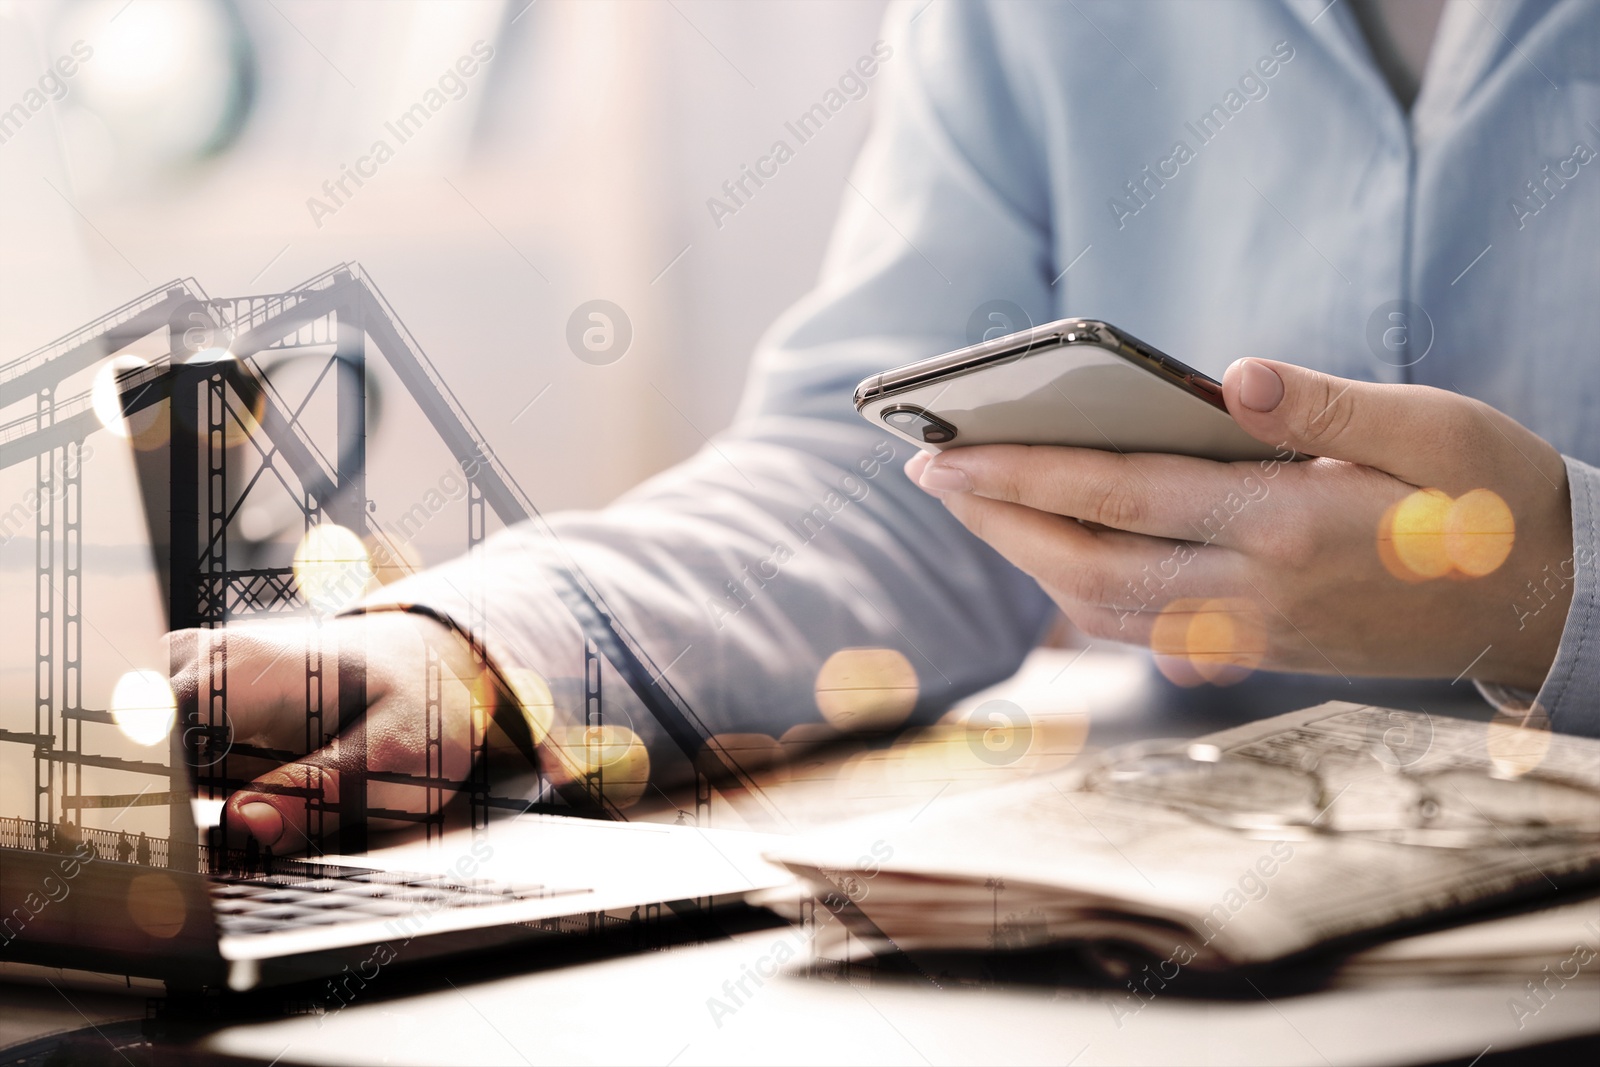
[[62, 410], [106, 845], [43, 837], [44, 353]]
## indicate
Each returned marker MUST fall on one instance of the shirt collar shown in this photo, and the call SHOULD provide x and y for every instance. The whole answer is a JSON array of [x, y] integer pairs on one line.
[[1474, 36]]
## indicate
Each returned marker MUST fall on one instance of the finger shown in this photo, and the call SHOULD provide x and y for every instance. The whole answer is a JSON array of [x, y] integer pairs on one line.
[[916, 465], [385, 764], [291, 808], [263, 671], [1158, 495], [274, 673], [1421, 435], [1108, 569]]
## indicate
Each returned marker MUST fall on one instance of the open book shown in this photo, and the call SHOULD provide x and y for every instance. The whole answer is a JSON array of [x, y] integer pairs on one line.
[[1244, 847]]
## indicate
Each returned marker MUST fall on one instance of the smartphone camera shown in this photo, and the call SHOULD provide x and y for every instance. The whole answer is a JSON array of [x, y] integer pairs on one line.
[[919, 423]]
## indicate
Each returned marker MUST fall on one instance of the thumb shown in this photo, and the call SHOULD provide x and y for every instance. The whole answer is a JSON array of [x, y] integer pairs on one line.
[[290, 808], [298, 806], [1395, 428]]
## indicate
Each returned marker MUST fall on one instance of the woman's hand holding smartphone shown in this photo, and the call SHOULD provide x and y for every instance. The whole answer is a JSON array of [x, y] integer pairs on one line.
[[1404, 550]]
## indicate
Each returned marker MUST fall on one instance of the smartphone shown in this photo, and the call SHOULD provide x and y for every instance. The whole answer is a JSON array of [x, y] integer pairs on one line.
[[1073, 382]]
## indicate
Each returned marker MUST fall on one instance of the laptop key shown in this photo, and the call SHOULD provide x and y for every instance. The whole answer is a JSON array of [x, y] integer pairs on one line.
[[331, 901], [328, 895], [243, 924], [377, 908], [281, 913], [281, 897]]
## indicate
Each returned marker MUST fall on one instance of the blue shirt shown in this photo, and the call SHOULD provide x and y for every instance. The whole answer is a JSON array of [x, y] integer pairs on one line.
[[1220, 179]]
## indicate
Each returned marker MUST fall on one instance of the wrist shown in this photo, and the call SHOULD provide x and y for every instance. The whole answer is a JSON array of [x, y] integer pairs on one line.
[[1538, 601]]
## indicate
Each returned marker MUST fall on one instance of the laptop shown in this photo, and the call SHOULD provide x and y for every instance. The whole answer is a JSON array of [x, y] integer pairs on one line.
[[84, 891]]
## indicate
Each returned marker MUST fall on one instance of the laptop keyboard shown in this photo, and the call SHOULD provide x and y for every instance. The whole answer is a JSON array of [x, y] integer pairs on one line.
[[324, 895]]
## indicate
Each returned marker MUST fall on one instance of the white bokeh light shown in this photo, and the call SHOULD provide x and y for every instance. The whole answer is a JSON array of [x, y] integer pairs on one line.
[[331, 567], [143, 707], [161, 75], [104, 395]]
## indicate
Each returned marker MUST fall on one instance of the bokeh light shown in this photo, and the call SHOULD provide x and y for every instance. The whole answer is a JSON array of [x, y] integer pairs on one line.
[[806, 749], [1216, 641], [613, 755], [533, 699], [156, 905], [865, 690], [105, 396], [1428, 535], [152, 427], [392, 558], [143, 707], [147, 429], [246, 410], [164, 77], [331, 568], [999, 732], [1517, 741], [1479, 532], [1416, 534]]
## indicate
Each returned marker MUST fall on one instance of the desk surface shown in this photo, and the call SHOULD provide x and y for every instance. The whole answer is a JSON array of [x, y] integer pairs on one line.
[[662, 1008], [680, 1006], [673, 1007]]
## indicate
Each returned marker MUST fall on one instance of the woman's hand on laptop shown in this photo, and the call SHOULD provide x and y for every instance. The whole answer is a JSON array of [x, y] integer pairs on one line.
[[1408, 549], [301, 768]]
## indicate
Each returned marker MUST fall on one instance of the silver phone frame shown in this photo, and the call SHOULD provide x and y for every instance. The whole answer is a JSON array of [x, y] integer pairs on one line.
[[1015, 346]]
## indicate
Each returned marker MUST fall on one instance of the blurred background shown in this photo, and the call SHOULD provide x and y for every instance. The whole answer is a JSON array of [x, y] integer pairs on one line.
[[538, 156], [575, 164]]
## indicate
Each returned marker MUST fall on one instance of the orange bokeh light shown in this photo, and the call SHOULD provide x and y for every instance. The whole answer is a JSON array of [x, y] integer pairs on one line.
[[1479, 532], [1417, 533], [1428, 535], [866, 690], [1219, 641]]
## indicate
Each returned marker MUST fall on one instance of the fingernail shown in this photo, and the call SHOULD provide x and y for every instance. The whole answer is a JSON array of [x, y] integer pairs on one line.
[[1260, 388], [945, 479], [263, 821]]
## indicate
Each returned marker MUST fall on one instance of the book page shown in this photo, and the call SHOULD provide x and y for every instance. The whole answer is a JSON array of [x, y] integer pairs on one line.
[[1035, 861]]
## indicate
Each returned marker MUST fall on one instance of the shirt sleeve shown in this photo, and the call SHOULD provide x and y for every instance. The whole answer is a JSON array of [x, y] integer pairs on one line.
[[1570, 696], [795, 534]]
